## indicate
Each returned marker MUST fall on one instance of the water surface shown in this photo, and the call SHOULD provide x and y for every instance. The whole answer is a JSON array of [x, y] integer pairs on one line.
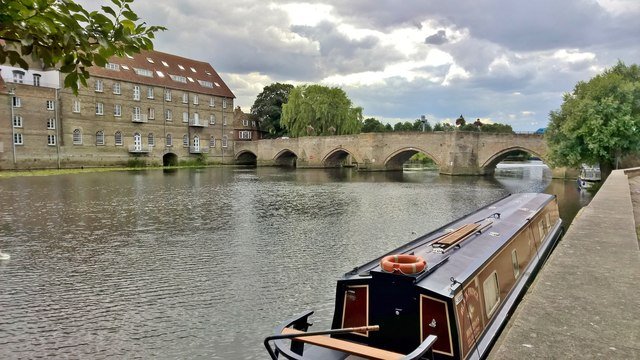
[[205, 263]]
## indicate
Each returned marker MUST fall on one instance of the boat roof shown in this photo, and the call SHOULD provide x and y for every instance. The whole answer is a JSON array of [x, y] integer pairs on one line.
[[459, 249]]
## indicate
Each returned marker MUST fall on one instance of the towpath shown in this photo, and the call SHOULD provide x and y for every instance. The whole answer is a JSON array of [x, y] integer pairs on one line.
[[585, 302]]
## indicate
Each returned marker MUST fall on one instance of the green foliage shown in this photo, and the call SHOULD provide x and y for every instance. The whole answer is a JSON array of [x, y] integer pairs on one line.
[[497, 128], [268, 108], [443, 127], [136, 162], [403, 126], [373, 125], [320, 110], [61, 34], [599, 121], [469, 127]]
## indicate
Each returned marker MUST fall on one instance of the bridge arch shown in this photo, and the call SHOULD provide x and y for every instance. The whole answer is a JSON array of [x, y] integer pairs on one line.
[[338, 157], [396, 159], [169, 159], [489, 166], [246, 157], [285, 158]]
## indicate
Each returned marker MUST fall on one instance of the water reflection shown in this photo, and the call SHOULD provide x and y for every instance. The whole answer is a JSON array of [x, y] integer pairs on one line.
[[204, 263]]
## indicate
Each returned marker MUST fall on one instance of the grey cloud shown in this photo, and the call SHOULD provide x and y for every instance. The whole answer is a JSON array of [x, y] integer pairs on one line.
[[342, 55], [438, 38]]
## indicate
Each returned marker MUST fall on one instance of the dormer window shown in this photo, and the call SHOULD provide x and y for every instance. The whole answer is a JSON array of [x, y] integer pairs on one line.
[[18, 76]]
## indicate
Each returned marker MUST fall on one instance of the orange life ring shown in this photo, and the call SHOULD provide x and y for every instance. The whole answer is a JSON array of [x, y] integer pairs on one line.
[[406, 264]]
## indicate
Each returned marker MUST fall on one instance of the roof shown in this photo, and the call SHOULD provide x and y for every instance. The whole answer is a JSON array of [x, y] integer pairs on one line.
[[165, 70], [461, 263]]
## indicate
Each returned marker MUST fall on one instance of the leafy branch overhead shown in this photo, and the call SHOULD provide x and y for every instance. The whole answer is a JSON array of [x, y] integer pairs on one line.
[[62, 34]]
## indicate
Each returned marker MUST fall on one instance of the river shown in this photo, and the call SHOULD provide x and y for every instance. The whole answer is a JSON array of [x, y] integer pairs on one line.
[[204, 263]]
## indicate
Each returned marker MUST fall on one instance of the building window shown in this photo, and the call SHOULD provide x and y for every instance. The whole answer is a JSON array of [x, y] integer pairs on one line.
[[515, 263], [491, 291], [225, 141], [212, 142], [150, 93], [17, 139], [117, 110], [50, 105], [185, 98], [196, 118], [151, 140], [51, 140], [17, 121], [212, 102], [168, 115], [541, 230], [51, 123], [245, 122], [16, 102], [99, 108], [36, 79], [100, 138], [99, 85], [136, 92], [185, 140], [116, 88], [196, 101], [185, 116], [224, 120], [77, 137], [136, 113], [118, 138], [212, 119], [253, 123], [224, 103], [76, 106], [245, 135], [169, 140], [152, 113], [18, 76], [167, 95], [112, 66]]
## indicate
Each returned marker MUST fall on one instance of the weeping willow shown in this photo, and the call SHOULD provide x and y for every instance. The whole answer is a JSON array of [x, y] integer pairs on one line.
[[320, 111]]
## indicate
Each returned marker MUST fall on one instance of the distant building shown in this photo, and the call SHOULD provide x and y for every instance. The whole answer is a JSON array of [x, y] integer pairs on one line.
[[246, 128], [154, 107]]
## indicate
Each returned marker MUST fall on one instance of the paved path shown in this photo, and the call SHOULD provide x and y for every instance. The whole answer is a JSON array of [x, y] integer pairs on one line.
[[585, 302]]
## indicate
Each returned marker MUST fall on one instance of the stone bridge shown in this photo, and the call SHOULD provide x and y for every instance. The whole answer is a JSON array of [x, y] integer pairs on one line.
[[455, 153]]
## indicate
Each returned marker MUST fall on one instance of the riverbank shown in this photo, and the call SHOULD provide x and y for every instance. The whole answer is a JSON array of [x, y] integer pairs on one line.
[[584, 303]]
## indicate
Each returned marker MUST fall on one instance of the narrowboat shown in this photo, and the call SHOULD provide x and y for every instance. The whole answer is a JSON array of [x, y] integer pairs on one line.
[[589, 175], [444, 295]]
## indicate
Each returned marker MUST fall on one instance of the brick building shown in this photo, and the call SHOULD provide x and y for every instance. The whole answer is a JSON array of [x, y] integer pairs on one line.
[[154, 108]]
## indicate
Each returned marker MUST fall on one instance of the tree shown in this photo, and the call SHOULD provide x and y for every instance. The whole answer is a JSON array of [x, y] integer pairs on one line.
[[320, 110], [598, 122], [443, 127], [61, 34], [497, 128], [403, 126], [268, 108], [373, 125]]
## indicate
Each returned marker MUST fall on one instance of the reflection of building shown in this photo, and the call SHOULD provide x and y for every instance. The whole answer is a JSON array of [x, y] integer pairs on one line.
[[245, 127], [154, 108]]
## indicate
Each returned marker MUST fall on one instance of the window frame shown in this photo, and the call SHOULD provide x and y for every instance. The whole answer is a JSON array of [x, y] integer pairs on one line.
[[51, 123], [18, 139], [51, 105], [51, 140], [136, 92], [117, 88], [117, 110], [491, 283], [100, 139], [99, 85], [118, 138], [99, 108], [18, 121], [77, 137]]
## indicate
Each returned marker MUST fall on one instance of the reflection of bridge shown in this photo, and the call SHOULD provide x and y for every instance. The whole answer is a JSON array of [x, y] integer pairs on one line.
[[455, 153]]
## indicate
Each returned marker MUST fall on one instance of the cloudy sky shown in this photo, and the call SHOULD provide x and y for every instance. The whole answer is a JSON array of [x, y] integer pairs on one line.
[[500, 61]]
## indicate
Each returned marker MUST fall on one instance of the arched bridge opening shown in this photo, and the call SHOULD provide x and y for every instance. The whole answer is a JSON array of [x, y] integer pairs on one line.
[[338, 158], [397, 160], [169, 159], [513, 154], [246, 158], [286, 158]]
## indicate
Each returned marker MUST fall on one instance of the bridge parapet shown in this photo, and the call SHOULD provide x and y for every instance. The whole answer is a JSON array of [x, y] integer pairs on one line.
[[455, 153]]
